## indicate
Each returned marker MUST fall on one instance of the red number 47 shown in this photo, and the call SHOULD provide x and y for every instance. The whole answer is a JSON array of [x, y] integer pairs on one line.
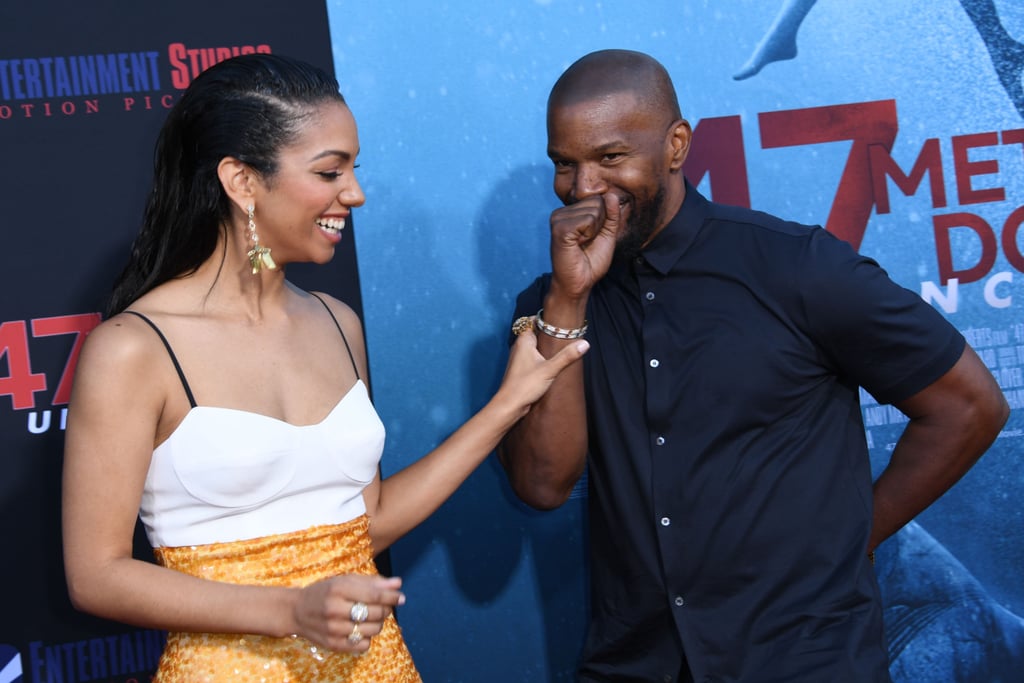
[[718, 152], [21, 383]]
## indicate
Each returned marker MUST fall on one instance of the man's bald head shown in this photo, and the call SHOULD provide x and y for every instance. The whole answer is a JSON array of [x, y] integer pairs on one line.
[[610, 72]]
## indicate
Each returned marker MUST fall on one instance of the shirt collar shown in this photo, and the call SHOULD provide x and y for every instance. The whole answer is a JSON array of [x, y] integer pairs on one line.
[[671, 243]]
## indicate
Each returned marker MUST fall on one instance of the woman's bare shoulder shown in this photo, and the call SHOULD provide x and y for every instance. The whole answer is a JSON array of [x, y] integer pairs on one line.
[[115, 370], [123, 355], [345, 314], [123, 338]]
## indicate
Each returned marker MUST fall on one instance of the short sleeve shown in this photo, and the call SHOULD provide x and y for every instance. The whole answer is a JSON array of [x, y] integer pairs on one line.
[[881, 335]]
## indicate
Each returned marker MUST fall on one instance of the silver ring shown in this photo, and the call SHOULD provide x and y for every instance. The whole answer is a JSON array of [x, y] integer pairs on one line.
[[355, 636], [359, 612]]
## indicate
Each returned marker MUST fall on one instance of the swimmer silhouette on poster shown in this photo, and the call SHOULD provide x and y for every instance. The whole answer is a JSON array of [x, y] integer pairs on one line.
[[779, 43]]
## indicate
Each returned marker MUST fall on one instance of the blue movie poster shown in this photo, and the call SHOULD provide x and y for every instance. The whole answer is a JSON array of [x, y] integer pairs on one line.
[[897, 126]]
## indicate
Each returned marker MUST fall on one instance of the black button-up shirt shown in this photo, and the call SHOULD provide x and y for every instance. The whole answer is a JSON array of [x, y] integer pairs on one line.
[[730, 484]]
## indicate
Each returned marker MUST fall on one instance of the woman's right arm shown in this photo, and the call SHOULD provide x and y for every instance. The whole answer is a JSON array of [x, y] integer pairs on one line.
[[117, 402]]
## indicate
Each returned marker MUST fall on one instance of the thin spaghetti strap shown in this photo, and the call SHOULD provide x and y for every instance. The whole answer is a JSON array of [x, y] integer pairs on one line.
[[343, 338], [170, 352]]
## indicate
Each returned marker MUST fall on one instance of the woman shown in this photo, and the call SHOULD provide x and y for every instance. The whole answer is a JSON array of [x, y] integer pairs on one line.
[[227, 408]]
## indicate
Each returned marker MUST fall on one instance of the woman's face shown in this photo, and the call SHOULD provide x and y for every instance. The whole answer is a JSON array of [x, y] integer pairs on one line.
[[302, 211]]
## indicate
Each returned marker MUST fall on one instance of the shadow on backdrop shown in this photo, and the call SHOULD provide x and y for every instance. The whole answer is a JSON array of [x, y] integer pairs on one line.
[[513, 234], [499, 552]]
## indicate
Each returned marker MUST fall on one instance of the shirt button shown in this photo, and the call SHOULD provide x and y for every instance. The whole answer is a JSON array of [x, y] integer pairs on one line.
[[650, 296], [679, 601], [660, 441], [665, 521], [655, 363]]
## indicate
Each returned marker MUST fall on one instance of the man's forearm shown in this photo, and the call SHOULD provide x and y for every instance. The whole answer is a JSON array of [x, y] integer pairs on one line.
[[544, 454], [953, 422]]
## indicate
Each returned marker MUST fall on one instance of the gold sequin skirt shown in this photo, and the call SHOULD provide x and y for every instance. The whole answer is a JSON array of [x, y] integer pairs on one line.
[[293, 559]]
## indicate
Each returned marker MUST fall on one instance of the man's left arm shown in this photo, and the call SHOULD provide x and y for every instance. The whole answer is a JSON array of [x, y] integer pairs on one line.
[[952, 423]]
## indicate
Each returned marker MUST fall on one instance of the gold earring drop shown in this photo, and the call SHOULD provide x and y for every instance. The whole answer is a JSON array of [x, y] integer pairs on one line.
[[259, 257]]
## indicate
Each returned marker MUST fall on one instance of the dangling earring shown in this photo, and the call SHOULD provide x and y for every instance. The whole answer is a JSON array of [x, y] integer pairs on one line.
[[259, 256]]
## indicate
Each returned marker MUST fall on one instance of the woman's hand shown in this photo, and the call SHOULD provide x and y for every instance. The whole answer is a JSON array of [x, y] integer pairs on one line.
[[529, 375], [409, 496], [344, 612]]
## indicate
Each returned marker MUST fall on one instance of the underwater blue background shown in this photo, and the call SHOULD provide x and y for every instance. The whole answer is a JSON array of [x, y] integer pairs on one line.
[[450, 98]]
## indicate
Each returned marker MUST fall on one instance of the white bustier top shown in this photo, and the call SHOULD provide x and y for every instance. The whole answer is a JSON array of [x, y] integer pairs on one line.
[[227, 475]]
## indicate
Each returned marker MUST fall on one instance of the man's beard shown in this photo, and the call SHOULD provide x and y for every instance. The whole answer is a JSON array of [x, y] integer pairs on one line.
[[641, 224]]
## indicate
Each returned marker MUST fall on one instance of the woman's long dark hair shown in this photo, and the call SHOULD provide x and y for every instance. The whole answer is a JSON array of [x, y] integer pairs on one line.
[[247, 107]]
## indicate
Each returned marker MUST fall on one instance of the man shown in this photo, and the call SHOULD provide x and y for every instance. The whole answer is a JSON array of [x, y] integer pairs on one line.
[[732, 511]]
